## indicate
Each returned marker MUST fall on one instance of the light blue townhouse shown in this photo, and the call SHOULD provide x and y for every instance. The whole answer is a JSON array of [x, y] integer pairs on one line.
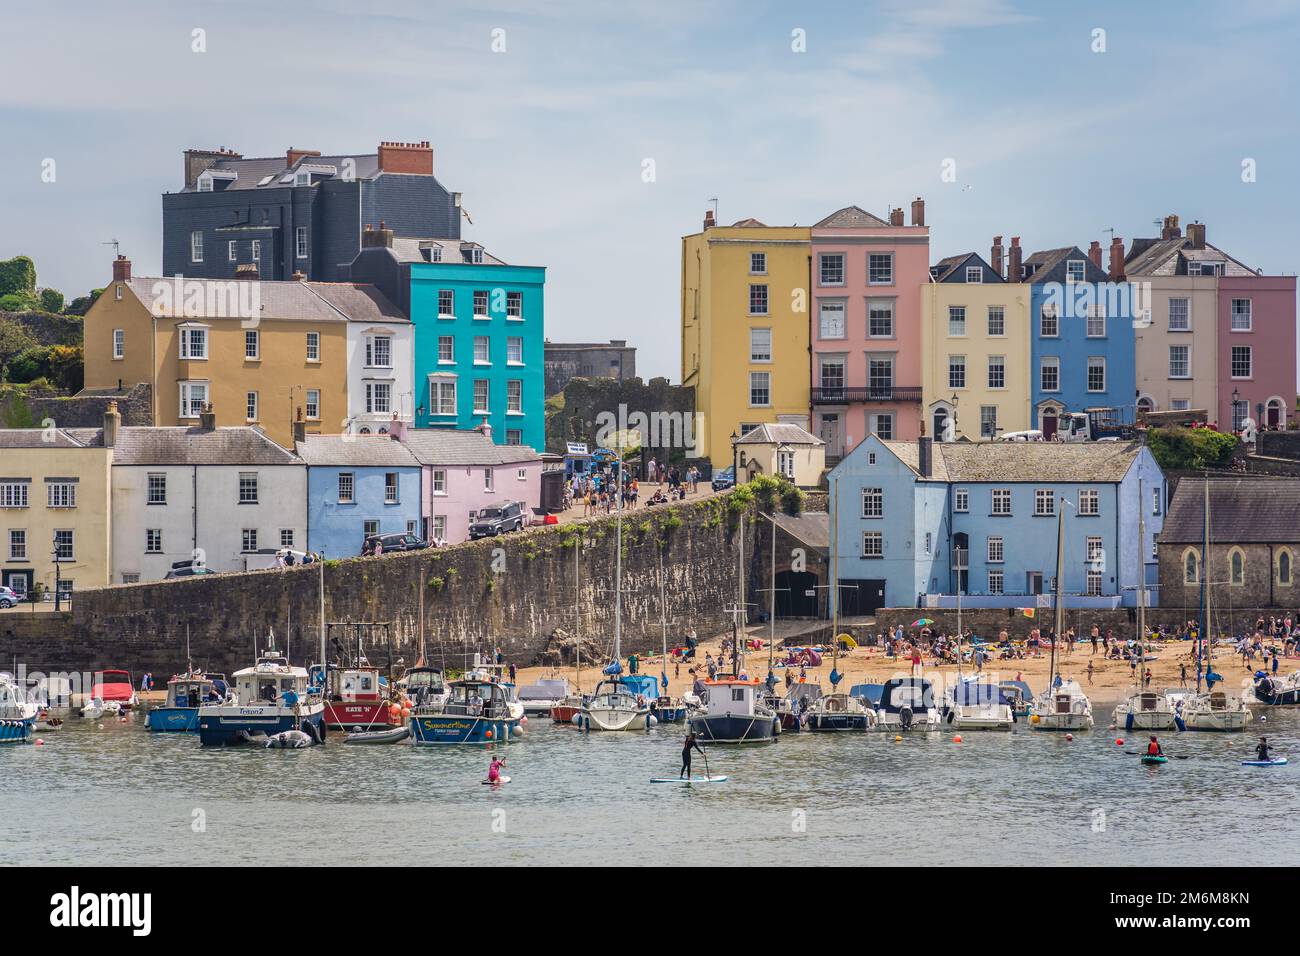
[[1082, 344], [916, 522], [358, 485], [480, 337]]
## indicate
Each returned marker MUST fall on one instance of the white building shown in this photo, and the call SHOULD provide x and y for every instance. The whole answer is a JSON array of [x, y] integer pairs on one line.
[[380, 357], [214, 496]]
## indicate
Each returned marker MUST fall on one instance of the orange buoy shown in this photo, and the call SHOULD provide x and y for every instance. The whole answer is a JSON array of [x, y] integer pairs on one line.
[[1069, 736], [957, 739], [488, 734], [1119, 741]]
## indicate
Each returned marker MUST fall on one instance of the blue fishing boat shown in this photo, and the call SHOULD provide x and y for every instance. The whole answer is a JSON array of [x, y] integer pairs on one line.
[[268, 698], [735, 713], [17, 713], [185, 692], [478, 711]]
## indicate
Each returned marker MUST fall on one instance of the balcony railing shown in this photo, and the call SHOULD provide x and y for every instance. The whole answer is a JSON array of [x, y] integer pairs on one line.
[[829, 395]]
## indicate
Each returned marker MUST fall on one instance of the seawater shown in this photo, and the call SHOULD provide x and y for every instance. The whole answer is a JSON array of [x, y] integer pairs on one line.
[[110, 793]]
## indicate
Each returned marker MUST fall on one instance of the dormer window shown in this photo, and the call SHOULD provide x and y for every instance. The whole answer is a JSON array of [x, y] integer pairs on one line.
[[435, 253], [302, 178], [472, 256], [974, 274], [1074, 270], [205, 184]]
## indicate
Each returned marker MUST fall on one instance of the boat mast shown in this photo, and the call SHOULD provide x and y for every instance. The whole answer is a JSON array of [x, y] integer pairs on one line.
[[737, 652], [771, 605], [324, 667], [618, 565], [1059, 623], [577, 610], [835, 585], [1142, 566], [1203, 634]]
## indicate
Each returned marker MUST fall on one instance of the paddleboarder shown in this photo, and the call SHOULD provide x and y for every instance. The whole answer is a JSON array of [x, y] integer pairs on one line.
[[687, 745], [1262, 752], [494, 769], [1153, 748]]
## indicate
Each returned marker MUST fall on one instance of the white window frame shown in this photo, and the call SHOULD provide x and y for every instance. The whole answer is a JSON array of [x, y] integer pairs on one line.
[[515, 350], [1076, 270], [1186, 315], [961, 501], [974, 275], [190, 336], [1234, 314], [313, 347], [119, 344], [1250, 358], [300, 242], [313, 404], [187, 403], [514, 396], [250, 406], [994, 550], [1095, 361], [1001, 312], [873, 544], [1044, 503], [196, 245], [956, 321], [1186, 363], [873, 502], [346, 491], [754, 379], [484, 386], [1000, 502], [252, 345], [1044, 363], [1089, 502], [438, 481], [758, 351], [482, 350], [888, 277]]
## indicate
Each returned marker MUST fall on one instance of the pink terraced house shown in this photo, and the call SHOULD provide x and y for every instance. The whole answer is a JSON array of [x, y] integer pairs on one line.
[[867, 276], [464, 471]]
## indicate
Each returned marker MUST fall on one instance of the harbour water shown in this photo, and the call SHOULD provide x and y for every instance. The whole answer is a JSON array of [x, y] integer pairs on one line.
[[113, 794]]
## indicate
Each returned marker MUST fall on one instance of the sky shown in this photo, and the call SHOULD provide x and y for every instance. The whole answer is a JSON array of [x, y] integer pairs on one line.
[[544, 116]]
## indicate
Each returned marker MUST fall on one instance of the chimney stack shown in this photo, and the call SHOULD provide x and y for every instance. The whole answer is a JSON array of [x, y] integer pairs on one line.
[[247, 272], [1196, 233], [112, 424], [412, 159], [1094, 253], [925, 452], [299, 427], [396, 428], [197, 160], [293, 155], [208, 418], [708, 219], [918, 211], [1170, 229], [896, 216], [121, 269], [995, 255], [1013, 261], [373, 238], [1116, 259], [484, 428]]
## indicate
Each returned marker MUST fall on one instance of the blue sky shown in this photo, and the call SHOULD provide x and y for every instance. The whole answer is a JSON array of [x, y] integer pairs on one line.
[[1052, 141]]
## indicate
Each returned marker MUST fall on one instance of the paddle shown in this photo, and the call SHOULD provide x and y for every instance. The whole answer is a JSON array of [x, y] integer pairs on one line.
[[1138, 753], [705, 755]]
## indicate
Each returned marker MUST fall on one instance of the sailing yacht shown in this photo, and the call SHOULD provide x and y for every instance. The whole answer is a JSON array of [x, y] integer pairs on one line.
[[1063, 705], [613, 706], [1214, 710]]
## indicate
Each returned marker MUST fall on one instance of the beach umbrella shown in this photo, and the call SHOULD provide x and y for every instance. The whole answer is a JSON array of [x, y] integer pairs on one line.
[[922, 622]]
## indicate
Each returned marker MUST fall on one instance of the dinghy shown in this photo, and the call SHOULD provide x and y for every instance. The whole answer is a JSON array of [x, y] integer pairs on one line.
[[1153, 759], [391, 736]]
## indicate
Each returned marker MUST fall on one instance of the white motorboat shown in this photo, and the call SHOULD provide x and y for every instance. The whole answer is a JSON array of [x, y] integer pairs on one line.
[[539, 698], [614, 707], [1145, 710], [840, 712], [979, 706], [1212, 710], [17, 712], [907, 703], [1062, 708]]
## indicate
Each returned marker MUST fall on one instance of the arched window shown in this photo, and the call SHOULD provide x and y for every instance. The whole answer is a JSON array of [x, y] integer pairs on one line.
[[1146, 404], [364, 431], [1236, 566], [1191, 567], [1284, 567]]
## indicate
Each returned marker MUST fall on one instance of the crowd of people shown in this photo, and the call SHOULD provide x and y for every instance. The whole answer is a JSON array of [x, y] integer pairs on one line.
[[598, 494]]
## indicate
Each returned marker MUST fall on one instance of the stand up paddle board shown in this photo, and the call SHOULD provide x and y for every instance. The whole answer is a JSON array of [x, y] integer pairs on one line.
[[502, 779], [1148, 758], [1275, 762], [687, 781]]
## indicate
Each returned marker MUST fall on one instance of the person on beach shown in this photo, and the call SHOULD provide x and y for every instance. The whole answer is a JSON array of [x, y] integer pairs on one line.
[[494, 769], [1182, 674], [687, 746], [1153, 748], [1146, 678], [1089, 671], [1262, 751], [1096, 636], [916, 660]]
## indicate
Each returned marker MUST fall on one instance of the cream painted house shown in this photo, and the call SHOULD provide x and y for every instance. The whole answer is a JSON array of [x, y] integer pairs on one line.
[[779, 449]]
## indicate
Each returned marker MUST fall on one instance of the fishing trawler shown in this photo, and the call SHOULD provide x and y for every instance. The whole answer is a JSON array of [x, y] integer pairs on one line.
[[17, 712], [734, 713], [477, 711], [268, 698], [185, 692], [356, 698]]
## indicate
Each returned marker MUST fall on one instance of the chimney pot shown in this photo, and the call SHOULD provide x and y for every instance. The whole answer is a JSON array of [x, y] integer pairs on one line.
[[995, 255], [1116, 272], [121, 269], [708, 219], [208, 418], [918, 211], [112, 424], [1170, 229], [414, 159], [1014, 267], [896, 216], [925, 449], [1094, 253], [1196, 233]]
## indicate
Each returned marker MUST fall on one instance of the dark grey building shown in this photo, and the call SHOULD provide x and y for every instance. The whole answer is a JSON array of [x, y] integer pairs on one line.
[[614, 359], [301, 212]]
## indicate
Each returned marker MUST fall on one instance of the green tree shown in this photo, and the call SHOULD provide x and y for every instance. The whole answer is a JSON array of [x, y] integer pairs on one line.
[[1191, 448], [51, 300], [19, 302], [17, 275]]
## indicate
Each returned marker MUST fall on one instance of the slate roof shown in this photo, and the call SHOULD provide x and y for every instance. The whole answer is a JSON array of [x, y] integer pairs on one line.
[[749, 223], [1242, 510], [777, 432], [456, 446], [252, 170], [308, 301], [1169, 257], [851, 217], [810, 527], [377, 451], [181, 445], [1051, 266], [58, 438], [1098, 462], [414, 250]]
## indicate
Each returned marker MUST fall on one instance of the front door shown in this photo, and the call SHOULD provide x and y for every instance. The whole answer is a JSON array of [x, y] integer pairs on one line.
[[1048, 422], [20, 581], [833, 436]]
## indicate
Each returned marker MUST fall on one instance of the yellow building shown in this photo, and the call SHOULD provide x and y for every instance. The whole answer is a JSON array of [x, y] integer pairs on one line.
[[785, 450], [745, 329], [975, 367], [54, 499], [257, 352]]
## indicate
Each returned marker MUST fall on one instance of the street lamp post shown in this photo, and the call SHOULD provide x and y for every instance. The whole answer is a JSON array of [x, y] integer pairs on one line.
[[735, 465], [57, 580]]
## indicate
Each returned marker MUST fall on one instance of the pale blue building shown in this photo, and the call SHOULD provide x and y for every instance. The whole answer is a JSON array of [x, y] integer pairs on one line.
[[358, 485], [899, 511]]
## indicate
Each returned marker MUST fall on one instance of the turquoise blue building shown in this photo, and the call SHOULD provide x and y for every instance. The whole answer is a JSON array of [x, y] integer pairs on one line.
[[1083, 349], [358, 485], [902, 510]]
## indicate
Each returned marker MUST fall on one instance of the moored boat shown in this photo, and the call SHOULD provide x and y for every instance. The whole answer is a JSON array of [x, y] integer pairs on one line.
[[477, 711], [977, 705], [1064, 707], [1145, 710], [113, 687], [619, 703], [1277, 691], [17, 713], [268, 698], [734, 713], [1214, 710], [907, 703], [540, 697], [355, 699], [425, 687], [185, 692], [840, 712], [565, 710]]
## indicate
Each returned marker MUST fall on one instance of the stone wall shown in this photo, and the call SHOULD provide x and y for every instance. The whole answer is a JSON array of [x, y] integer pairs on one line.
[[1278, 444], [512, 594], [573, 415], [84, 410], [1260, 587]]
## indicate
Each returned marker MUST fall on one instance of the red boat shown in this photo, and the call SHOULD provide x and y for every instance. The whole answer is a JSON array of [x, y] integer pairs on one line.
[[112, 686], [356, 699], [564, 711]]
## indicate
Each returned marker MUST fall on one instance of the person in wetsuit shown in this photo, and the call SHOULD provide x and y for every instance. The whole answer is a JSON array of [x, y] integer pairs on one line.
[[1262, 752], [689, 744]]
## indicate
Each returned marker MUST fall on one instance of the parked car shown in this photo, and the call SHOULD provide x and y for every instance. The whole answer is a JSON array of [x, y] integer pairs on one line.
[[724, 479], [8, 597], [498, 519], [188, 571], [393, 541]]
